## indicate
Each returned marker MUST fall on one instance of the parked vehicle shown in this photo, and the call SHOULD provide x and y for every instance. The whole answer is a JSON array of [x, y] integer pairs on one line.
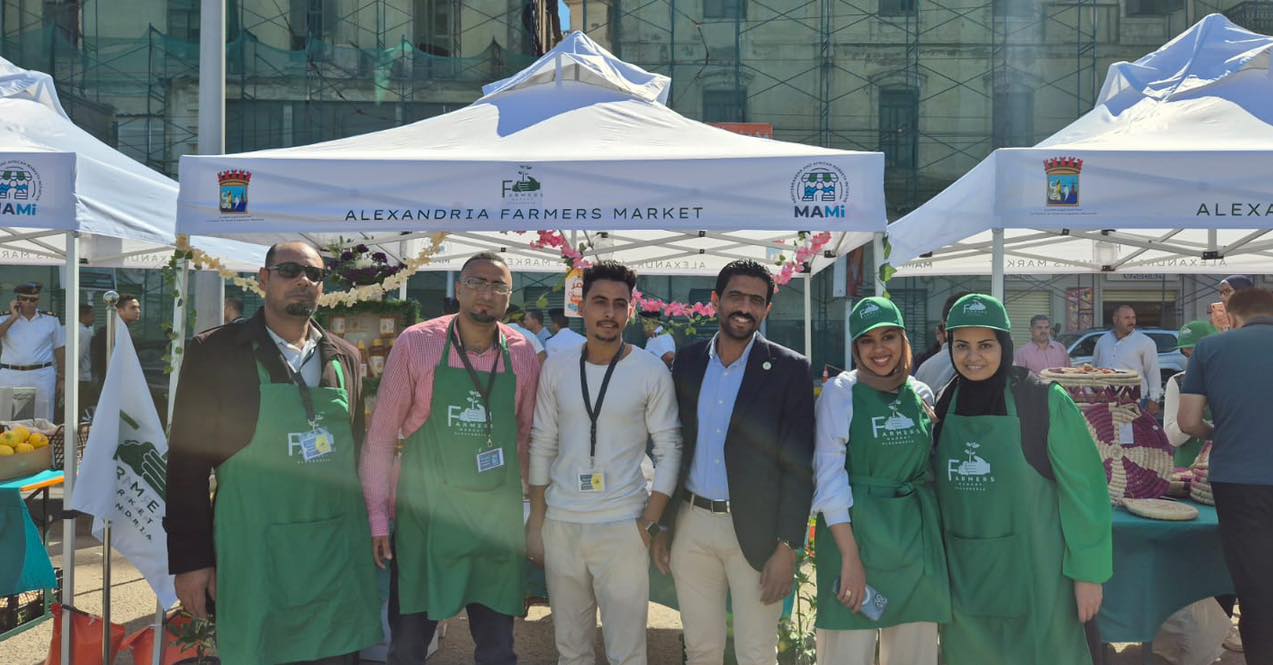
[[1082, 346]]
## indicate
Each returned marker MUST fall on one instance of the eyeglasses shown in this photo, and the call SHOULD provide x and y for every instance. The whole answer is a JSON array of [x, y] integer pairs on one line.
[[292, 270], [29, 298], [477, 284]]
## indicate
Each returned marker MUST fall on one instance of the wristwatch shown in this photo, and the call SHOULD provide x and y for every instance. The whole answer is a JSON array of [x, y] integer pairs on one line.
[[654, 529]]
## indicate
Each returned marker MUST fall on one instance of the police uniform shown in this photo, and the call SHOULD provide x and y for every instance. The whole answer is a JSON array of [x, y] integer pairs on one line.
[[27, 360]]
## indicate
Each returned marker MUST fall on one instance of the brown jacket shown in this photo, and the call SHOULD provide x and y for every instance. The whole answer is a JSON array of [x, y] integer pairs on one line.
[[215, 417]]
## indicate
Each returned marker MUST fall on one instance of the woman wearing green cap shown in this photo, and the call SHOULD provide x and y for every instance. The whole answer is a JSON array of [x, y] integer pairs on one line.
[[1025, 510], [874, 432], [1187, 447]]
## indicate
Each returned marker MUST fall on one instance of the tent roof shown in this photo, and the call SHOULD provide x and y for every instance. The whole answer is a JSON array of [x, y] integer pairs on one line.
[[1178, 144], [115, 197], [578, 141]]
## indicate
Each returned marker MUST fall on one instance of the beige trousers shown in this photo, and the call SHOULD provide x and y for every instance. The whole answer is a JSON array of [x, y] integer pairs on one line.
[[707, 565], [906, 644], [591, 566]]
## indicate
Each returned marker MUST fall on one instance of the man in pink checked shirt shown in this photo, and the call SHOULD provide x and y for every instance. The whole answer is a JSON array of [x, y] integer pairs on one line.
[[461, 390]]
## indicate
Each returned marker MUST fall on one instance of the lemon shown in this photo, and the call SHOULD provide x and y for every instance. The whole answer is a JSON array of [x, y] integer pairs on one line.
[[20, 434], [5, 450], [23, 448], [38, 440]]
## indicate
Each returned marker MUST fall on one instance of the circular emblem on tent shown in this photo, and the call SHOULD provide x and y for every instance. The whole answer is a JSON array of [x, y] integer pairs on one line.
[[19, 183], [818, 184]]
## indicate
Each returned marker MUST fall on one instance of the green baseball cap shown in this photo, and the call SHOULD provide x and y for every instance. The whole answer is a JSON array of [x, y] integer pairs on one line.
[[874, 312], [1194, 331], [978, 310]]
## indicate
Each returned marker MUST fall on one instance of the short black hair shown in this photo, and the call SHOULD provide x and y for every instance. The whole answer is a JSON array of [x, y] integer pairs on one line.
[[1251, 302], [612, 271], [537, 314], [558, 316], [1039, 317], [235, 303], [483, 256], [745, 268], [124, 299], [85, 308], [269, 253]]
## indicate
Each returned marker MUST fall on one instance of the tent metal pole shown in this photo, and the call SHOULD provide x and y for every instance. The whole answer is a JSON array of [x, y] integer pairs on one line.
[[808, 315], [877, 262], [212, 77], [70, 436], [182, 279], [997, 264], [403, 248], [848, 331], [111, 298]]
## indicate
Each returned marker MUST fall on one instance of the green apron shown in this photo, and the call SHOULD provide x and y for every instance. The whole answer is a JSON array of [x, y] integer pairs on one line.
[[895, 517], [1011, 604], [295, 577], [460, 533]]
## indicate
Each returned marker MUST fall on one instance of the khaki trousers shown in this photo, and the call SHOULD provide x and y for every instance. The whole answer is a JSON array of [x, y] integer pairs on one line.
[[707, 566], [591, 566], [905, 644]]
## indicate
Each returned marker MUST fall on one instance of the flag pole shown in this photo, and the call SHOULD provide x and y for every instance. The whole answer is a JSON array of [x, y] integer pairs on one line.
[[111, 298], [70, 439]]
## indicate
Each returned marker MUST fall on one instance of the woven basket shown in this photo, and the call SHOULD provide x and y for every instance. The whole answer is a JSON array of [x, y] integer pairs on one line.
[[57, 441], [1137, 469], [1200, 486], [1092, 386]]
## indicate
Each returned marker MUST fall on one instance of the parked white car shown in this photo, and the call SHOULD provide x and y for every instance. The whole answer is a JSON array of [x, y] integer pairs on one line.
[[1082, 346]]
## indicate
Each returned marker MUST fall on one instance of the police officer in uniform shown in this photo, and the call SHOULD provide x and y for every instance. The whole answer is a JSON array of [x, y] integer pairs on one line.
[[31, 349]]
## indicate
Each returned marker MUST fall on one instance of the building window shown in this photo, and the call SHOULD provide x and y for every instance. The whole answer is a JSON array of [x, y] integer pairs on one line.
[[183, 20], [724, 105], [62, 18], [897, 7], [435, 27], [725, 9], [899, 127], [1013, 118], [1017, 8], [311, 20], [1153, 7]]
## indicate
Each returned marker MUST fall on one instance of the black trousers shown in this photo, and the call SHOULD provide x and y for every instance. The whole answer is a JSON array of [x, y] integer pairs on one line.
[[1246, 532], [410, 634]]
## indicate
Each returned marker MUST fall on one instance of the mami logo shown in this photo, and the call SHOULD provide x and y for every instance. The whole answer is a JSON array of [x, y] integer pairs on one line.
[[19, 189], [819, 191]]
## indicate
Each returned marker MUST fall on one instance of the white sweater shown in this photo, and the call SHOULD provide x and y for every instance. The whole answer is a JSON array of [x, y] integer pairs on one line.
[[640, 405]]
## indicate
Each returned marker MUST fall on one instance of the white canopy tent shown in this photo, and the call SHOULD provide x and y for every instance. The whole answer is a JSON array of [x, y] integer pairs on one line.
[[578, 141], [1167, 174]]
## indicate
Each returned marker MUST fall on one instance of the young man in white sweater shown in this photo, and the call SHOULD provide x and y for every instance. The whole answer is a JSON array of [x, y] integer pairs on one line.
[[592, 518]]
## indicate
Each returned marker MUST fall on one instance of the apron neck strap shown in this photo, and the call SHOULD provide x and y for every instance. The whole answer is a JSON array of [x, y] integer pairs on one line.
[[453, 329]]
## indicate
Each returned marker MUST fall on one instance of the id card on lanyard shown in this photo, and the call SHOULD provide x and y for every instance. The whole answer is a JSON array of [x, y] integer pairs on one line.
[[593, 479], [317, 442], [490, 457]]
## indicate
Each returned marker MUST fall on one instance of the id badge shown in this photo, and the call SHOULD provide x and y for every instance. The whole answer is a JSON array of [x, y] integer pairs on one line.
[[316, 443], [489, 460], [592, 481]]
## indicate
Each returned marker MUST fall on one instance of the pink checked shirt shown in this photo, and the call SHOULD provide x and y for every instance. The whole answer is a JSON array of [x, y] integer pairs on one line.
[[1036, 360], [405, 398]]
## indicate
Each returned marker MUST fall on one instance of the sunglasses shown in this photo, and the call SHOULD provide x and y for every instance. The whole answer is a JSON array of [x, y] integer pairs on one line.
[[29, 298], [291, 270]]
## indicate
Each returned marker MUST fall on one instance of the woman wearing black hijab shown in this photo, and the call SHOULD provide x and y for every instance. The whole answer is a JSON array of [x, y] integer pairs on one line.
[[1025, 510]]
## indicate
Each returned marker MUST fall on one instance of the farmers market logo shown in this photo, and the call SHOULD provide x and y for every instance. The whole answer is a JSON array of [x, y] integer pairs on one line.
[[470, 419], [820, 190], [1063, 181], [20, 188], [971, 474], [233, 199], [894, 429], [524, 191], [140, 475], [870, 309]]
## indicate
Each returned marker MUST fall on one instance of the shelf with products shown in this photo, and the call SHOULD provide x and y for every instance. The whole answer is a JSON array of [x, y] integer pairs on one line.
[[373, 327]]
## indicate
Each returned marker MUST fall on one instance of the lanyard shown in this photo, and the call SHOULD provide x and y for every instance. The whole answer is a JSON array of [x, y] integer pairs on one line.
[[477, 383], [593, 414], [307, 399]]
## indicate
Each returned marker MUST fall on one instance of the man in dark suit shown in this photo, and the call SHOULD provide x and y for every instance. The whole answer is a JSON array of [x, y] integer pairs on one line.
[[746, 481]]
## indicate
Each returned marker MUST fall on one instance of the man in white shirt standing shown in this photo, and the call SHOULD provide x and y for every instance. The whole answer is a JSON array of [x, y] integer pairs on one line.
[[1125, 347], [563, 339], [534, 322], [513, 319], [592, 518], [32, 349], [85, 331], [659, 343]]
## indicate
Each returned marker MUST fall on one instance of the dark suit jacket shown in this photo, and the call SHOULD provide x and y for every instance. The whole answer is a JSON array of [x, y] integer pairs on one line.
[[768, 449]]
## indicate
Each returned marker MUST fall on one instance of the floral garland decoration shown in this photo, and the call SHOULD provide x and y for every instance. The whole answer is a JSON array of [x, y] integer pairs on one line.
[[809, 246], [202, 260]]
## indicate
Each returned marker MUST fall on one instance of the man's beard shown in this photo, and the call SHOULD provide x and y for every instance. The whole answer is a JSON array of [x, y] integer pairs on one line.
[[305, 309], [727, 327], [479, 317]]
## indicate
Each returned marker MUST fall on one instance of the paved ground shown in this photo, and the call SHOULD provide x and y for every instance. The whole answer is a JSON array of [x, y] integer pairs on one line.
[[133, 604]]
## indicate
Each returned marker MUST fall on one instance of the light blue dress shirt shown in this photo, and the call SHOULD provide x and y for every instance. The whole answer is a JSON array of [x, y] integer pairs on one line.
[[715, 408]]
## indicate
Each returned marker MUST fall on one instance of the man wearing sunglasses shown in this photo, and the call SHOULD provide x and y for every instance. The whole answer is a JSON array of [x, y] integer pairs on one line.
[[32, 349], [272, 406], [461, 390]]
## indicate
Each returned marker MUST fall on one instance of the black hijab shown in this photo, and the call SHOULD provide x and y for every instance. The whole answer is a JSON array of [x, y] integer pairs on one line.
[[986, 398]]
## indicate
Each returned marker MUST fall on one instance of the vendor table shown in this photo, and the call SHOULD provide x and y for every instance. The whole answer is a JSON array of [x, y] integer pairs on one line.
[[1159, 568], [24, 559]]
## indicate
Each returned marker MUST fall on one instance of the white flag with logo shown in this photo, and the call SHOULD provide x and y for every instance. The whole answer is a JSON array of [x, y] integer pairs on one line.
[[125, 467]]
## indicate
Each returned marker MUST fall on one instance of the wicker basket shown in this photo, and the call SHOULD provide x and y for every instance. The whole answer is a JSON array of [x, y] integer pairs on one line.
[[57, 441], [1137, 469], [1097, 386], [1200, 486]]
